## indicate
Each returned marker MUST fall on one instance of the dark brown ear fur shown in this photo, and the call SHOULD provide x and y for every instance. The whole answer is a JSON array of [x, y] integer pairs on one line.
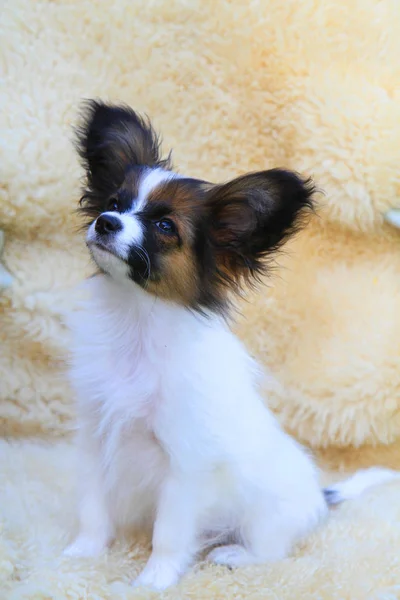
[[252, 216], [109, 140]]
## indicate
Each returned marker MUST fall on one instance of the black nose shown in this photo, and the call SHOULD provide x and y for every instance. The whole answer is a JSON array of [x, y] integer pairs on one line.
[[107, 224]]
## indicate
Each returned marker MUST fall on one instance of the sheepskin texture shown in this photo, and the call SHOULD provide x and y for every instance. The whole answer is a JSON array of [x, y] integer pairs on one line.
[[234, 87]]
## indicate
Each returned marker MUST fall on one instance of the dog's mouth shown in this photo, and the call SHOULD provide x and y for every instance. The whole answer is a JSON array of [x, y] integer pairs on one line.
[[92, 243], [97, 245]]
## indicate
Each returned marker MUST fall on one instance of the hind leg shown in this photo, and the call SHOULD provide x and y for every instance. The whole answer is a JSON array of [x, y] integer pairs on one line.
[[260, 542], [268, 535], [232, 555]]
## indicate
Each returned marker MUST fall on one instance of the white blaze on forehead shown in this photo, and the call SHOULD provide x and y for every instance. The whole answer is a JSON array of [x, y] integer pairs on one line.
[[151, 179]]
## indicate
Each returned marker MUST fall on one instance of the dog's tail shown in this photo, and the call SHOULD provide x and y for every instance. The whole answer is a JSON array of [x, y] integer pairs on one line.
[[358, 483]]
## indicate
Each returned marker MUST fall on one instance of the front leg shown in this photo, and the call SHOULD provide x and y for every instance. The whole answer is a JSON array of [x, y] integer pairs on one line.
[[174, 534], [95, 527]]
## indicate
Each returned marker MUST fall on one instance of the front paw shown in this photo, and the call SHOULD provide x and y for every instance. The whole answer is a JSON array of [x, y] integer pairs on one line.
[[158, 574], [85, 547]]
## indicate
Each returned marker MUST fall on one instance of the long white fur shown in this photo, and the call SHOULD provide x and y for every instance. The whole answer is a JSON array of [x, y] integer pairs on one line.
[[173, 434]]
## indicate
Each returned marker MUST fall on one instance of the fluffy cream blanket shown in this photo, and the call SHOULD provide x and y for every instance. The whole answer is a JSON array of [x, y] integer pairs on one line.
[[234, 86]]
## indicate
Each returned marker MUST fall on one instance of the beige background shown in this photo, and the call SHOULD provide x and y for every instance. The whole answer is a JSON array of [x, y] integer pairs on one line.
[[234, 86]]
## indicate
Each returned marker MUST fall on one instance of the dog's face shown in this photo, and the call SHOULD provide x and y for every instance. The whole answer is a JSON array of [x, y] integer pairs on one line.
[[182, 239], [150, 233]]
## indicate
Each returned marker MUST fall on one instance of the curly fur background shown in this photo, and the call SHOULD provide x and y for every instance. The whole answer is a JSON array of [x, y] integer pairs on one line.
[[233, 86]]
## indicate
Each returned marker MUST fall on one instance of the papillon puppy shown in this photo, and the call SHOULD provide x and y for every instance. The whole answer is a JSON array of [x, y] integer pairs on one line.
[[173, 432]]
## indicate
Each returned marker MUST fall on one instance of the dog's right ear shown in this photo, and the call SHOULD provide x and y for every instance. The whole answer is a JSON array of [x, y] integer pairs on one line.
[[112, 138]]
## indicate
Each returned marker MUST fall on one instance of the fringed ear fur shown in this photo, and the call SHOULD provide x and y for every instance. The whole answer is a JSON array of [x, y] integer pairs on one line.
[[253, 215], [112, 138]]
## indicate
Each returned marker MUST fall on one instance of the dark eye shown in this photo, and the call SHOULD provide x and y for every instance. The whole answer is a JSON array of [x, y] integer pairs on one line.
[[114, 205], [166, 226]]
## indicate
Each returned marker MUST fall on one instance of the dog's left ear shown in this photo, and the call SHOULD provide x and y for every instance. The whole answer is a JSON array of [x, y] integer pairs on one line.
[[253, 215]]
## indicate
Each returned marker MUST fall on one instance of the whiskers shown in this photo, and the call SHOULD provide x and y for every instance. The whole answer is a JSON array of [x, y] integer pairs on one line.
[[143, 254]]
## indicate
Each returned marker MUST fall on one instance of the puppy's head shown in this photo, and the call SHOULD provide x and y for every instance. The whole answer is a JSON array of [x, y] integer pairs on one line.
[[182, 239]]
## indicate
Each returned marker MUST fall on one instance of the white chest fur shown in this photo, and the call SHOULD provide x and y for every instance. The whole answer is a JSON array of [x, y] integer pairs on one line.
[[155, 383], [133, 352]]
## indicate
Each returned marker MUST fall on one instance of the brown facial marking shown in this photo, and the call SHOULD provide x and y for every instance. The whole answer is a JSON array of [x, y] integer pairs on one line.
[[180, 201], [178, 281], [181, 198]]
